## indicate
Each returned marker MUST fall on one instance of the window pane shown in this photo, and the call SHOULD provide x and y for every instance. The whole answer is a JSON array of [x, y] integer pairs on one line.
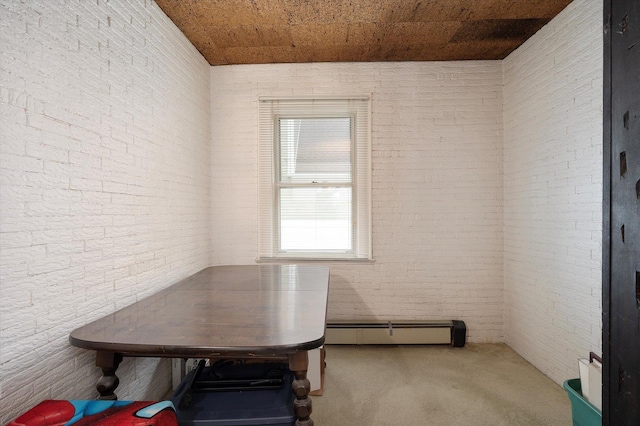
[[315, 150], [315, 219]]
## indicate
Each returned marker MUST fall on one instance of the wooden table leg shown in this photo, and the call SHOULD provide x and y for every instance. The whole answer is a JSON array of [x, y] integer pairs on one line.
[[298, 364], [107, 384]]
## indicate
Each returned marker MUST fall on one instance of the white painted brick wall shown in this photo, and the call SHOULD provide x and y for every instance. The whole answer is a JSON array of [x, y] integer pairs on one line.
[[553, 192], [105, 184], [437, 184], [104, 159]]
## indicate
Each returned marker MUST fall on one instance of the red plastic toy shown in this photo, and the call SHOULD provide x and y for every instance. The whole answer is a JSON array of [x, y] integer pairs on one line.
[[102, 413]]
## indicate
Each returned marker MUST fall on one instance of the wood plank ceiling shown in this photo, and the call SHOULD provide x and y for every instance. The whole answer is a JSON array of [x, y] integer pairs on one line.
[[289, 31]]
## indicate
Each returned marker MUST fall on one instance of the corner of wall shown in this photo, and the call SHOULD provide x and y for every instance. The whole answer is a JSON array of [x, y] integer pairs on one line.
[[553, 191]]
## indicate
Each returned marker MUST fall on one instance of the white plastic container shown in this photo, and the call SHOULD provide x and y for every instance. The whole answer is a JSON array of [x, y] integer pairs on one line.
[[595, 384], [583, 365]]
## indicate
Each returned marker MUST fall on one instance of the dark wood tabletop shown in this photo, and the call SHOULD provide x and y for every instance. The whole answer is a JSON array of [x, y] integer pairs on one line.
[[256, 309]]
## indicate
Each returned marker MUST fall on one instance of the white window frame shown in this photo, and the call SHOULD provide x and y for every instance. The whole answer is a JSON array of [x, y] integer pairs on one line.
[[271, 111]]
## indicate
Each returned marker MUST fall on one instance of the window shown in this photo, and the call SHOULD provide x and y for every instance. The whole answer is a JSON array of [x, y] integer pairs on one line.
[[314, 179]]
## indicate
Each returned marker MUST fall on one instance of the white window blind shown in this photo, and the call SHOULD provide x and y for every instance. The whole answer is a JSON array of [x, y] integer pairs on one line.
[[314, 178]]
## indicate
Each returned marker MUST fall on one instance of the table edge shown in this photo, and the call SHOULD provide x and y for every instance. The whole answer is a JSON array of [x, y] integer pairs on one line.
[[193, 352]]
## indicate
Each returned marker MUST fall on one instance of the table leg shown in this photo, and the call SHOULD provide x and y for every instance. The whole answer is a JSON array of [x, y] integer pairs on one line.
[[298, 364], [107, 384]]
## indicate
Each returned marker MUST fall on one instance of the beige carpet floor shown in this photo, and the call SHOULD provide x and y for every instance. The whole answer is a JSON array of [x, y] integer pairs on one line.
[[480, 384]]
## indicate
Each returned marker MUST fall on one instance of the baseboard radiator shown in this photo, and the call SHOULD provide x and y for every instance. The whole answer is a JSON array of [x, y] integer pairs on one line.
[[396, 333]]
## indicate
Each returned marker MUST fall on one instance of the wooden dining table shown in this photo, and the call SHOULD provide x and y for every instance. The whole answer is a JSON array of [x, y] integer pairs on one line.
[[247, 311]]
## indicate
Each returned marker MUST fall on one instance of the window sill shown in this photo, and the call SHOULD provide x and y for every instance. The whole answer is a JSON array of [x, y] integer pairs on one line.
[[290, 260]]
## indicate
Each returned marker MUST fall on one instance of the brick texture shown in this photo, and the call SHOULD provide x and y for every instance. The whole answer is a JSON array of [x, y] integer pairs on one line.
[[127, 163], [105, 184], [437, 184], [553, 192]]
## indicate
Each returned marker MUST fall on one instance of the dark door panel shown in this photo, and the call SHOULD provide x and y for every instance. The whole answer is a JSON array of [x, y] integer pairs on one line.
[[621, 232]]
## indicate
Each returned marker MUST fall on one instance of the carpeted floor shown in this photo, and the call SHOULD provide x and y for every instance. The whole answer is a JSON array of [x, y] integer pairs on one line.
[[484, 385]]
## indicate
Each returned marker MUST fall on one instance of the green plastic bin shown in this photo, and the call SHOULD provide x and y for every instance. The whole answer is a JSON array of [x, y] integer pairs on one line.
[[582, 411]]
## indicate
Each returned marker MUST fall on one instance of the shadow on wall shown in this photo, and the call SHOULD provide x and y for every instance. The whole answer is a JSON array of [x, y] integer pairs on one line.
[[344, 301], [160, 380], [151, 375]]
